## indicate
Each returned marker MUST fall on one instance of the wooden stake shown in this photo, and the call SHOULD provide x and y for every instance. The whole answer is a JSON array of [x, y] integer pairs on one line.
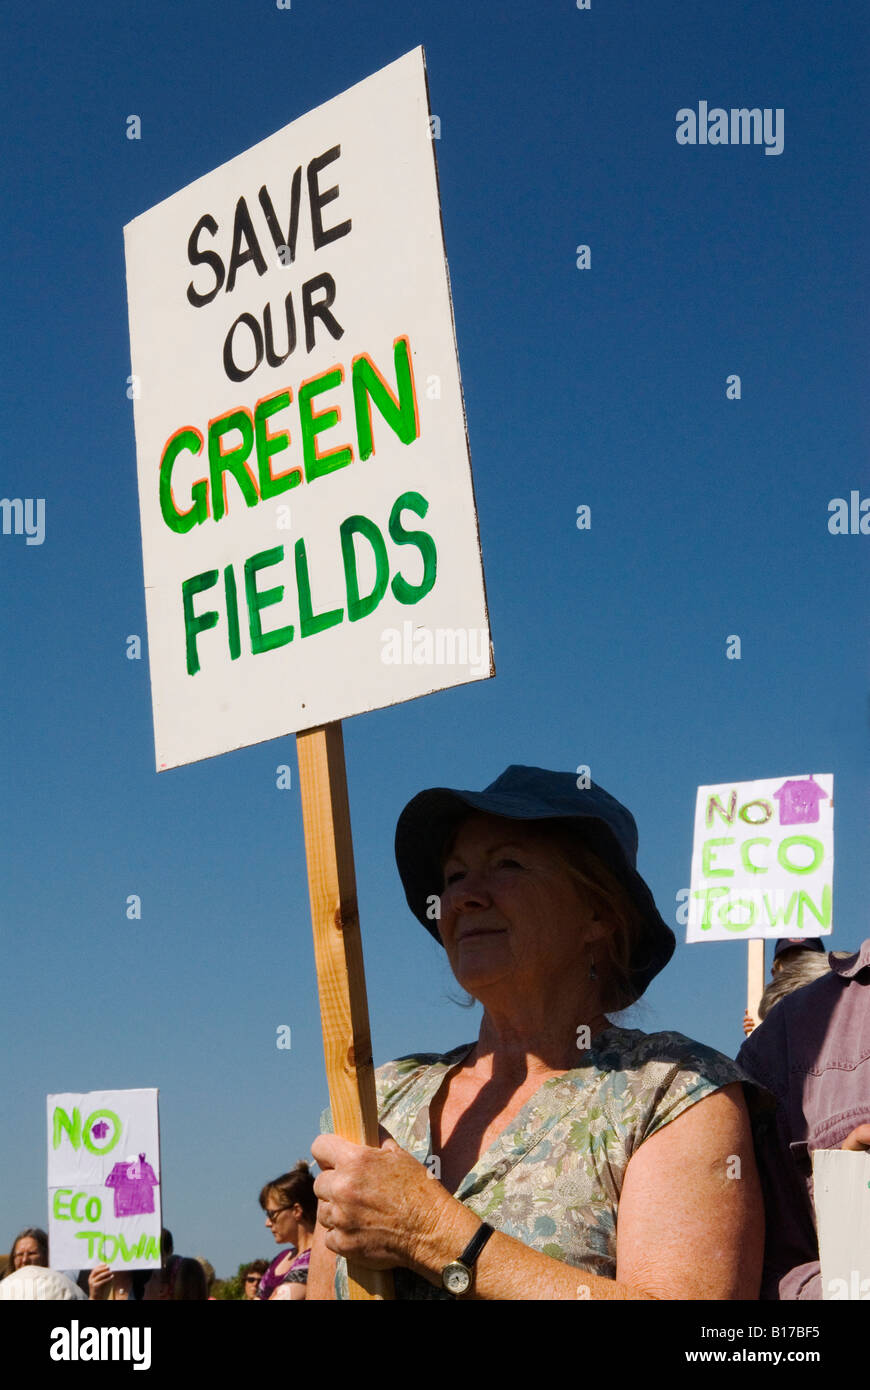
[[338, 956], [755, 977]]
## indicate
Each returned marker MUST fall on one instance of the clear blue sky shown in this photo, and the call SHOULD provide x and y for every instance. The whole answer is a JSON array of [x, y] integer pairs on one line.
[[603, 387]]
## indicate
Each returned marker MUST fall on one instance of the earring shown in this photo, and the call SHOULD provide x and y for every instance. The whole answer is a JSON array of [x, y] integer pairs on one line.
[[593, 973]]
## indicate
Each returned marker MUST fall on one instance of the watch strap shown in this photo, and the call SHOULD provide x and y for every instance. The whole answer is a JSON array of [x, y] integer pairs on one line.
[[476, 1244]]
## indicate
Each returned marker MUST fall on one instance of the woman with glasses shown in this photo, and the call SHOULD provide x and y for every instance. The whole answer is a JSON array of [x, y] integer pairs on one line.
[[291, 1213]]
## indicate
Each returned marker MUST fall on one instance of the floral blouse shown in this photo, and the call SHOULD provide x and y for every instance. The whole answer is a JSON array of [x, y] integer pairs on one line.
[[553, 1178]]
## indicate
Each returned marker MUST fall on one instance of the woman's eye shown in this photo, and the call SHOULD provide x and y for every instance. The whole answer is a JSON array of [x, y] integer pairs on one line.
[[511, 863], [452, 878]]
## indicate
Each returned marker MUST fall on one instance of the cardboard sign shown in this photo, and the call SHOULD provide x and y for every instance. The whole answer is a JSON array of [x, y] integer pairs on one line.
[[308, 523], [763, 859], [104, 1180], [841, 1194]]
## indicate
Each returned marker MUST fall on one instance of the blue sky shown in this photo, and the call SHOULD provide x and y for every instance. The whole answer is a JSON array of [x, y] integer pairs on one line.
[[603, 387]]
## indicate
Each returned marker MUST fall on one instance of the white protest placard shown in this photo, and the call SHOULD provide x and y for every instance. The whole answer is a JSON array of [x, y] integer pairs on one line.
[[763, 859], [309, 531], [841, 1196], [104, 1180]]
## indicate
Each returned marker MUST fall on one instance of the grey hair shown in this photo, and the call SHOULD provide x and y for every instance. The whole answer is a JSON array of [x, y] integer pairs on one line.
[[805, 967]]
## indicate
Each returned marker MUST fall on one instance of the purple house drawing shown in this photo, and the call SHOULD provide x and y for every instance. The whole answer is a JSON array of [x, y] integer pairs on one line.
[[799, 802], [134, 1182]]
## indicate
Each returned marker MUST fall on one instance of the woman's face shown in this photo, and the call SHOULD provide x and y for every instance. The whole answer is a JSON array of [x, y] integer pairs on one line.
[[252, 1284], [26, 1252], [510, 911], [283, 1221]]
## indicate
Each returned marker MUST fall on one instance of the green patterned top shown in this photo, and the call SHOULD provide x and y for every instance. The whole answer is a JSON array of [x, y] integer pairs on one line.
[[552, 1179]]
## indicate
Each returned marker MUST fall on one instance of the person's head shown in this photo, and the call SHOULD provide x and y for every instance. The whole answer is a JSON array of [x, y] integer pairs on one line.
[[30, 1247], [161, 1283], [797, 968], [190, 1282], [530, 900], [33, 1282], [532, 887], [791, 948], [289, 1202], [207, 1269], [251, 1276]]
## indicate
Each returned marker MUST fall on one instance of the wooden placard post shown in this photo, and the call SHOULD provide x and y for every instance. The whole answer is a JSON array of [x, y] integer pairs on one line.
[[338, 956], [755, 978]]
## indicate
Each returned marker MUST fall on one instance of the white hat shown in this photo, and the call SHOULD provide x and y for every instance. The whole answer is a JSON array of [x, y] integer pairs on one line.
[[34, 1282]]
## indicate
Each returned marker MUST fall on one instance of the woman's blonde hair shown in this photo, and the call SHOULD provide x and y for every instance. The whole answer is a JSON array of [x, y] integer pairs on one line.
[[600, 888]]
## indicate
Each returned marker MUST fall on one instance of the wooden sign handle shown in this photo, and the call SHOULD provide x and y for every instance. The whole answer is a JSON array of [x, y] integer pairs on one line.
[[338, 957], [755, 977]]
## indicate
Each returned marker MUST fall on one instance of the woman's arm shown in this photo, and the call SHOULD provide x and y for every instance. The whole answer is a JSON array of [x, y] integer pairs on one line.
[[685, 1229]]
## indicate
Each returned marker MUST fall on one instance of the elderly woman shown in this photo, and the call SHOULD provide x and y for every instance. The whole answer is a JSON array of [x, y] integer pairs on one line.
[[559, 1156]]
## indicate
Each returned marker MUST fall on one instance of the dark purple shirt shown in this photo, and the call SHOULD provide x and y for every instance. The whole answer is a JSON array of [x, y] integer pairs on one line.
[[813, 1053]]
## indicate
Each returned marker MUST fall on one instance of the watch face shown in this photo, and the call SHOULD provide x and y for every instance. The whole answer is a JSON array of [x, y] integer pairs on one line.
[[455, 1278]]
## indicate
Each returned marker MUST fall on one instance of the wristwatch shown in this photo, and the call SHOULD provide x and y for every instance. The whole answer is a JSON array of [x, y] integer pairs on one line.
[[456, 1277]]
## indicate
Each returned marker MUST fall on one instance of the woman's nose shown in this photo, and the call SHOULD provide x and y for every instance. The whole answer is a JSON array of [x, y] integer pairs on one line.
[[469, 891]]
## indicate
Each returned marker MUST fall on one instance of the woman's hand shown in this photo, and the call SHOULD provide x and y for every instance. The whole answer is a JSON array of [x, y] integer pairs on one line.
[[100, 1282], [376, 1204], [748, 1023], [858, 1140]]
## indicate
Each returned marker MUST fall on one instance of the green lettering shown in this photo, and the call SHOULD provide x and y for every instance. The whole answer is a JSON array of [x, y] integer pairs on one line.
[[309, 621], [766, 812], [233, 461], [72, 1126], [191, 440], [260, 641], [152, 1249], [55, 1206], [707, 853], [193, 625], [709, 895], [405, 592], [91, 1237], [360, 525], [108, 1258], [816, 846], [779, 914], [744, 854], [272, 485], [724, 911], [368, 385], [231, 596], [823, 915], [316, 465]]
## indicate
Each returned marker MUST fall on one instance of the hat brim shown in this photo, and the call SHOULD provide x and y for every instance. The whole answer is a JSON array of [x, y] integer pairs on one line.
[[431, 817]]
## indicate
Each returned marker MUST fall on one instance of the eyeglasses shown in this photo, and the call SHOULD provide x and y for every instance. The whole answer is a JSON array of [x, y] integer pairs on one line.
[[252, 1278], [271, 1215]]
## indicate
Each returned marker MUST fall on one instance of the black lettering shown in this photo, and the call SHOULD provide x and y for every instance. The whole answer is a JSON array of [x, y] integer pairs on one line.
[[271, 356], [244, 227], [312, 311], [323, 235], [197, 257], [233, 372], [293, 229]]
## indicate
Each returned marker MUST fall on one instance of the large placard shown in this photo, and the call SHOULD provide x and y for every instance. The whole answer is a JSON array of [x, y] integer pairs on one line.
[[763, 859], [309, 531], [104, 1180]]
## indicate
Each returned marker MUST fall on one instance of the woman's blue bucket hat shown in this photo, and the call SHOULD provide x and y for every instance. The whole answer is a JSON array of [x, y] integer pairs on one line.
[[603, 824]]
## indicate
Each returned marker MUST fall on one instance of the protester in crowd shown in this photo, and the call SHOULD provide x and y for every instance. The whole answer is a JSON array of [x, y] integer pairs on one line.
[[33, 1282], [796, 961], [813, 1053], [208, 1271], [291, 1212], [30, 1247], [159, 1284], [190, 1282], [251, 1276], [559, 1132]]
